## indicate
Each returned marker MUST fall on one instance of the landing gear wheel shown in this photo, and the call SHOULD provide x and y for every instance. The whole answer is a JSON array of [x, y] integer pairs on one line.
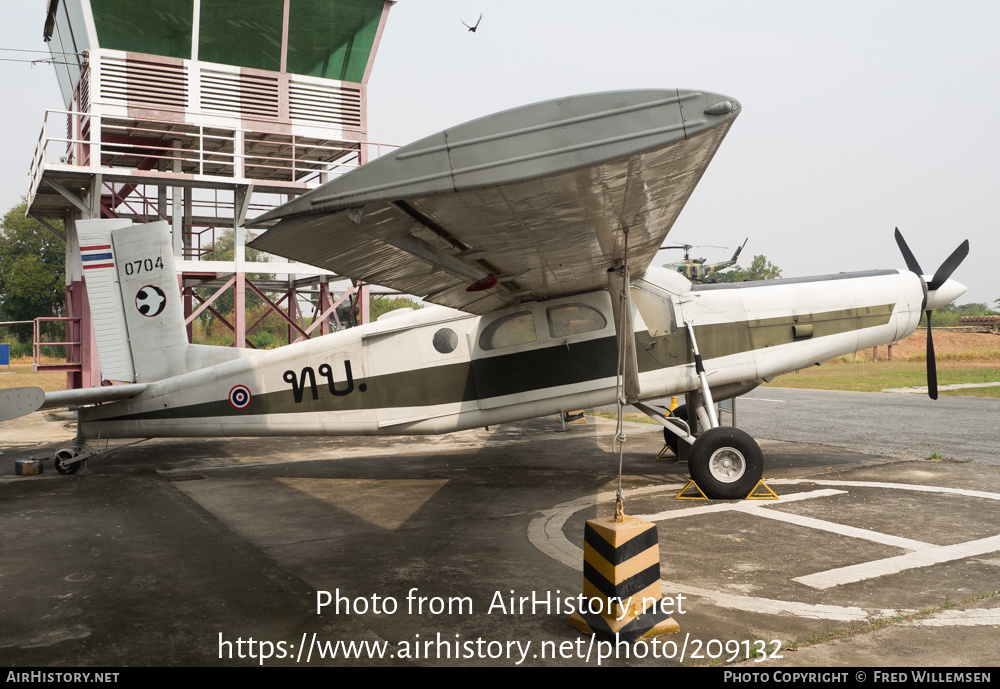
[[726, 463], [64, 455], [669, 438]]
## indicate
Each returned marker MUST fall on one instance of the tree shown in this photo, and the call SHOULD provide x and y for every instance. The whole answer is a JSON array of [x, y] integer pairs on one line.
[[759, 269], [381, 304], [32, 269], [949, 314]]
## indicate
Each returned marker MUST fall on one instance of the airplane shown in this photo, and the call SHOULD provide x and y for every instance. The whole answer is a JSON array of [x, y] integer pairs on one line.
[[532, 231], [695, 269]]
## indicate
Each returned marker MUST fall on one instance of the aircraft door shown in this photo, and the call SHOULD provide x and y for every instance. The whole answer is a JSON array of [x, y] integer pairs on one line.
[[531, 353], [655, 327]]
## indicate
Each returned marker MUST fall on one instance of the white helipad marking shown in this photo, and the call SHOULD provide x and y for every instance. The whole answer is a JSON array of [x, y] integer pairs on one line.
[[920, 557], [546, 533], [961, 618]]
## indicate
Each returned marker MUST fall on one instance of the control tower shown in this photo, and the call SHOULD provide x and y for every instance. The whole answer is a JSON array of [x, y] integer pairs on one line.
[[203, 113]]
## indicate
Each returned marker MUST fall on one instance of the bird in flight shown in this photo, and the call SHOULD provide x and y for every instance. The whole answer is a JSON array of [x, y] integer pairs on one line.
[[472, 28]]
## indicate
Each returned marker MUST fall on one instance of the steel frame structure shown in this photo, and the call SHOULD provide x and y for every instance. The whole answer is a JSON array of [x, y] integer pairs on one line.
[[206, 147]]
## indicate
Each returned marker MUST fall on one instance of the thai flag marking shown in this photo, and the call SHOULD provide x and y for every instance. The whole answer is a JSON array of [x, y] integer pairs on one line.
[[97, 256]]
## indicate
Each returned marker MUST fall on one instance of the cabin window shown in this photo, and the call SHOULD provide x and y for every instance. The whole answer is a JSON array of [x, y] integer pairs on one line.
[[508, 331], [574, 319], [657, 311]]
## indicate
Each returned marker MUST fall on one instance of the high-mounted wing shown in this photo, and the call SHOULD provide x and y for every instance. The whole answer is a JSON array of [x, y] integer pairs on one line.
[[530, 203]]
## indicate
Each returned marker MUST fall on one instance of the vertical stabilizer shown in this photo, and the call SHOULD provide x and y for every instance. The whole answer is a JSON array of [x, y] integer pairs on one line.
[[135, 300], [151, 300], [736, 256], [101, 274]]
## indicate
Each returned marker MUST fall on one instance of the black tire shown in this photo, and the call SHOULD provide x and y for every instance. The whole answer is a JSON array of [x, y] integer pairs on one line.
[[669, 438], [69, 467], [726, 463]]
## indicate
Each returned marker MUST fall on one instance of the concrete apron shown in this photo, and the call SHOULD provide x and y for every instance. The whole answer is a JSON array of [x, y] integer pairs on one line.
[[467, 550]]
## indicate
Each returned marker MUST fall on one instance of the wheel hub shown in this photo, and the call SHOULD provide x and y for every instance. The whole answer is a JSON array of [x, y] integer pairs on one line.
[[727, 465]]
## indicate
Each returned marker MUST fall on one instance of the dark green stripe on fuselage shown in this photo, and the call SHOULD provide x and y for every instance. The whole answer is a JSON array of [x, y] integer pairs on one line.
[[519, 372]]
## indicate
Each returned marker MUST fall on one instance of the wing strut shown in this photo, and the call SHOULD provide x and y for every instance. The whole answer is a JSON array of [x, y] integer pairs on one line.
[[627, 386]]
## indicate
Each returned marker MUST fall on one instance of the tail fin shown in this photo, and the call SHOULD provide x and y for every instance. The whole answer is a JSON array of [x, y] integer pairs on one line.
[[736, 256], [135, 303]]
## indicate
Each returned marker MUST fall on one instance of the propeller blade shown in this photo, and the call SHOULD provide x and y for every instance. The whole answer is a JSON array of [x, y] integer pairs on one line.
[[949, 266], [911, 261], [932, 390]]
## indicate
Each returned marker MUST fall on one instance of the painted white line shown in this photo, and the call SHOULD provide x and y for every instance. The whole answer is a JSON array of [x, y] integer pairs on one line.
[[955, 386], [762, 399], [879, 484], [961, 618], [769, 606], [546, 533], [842, 529], [924, 557]]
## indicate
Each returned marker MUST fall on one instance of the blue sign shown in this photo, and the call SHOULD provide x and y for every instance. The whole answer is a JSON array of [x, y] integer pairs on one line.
[[4, 355]]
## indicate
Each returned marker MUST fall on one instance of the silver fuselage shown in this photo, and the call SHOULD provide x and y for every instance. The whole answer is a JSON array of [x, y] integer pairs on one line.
[[436, 370]]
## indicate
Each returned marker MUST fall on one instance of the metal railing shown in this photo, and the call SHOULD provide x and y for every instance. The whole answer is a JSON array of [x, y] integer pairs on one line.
[[72, 346], [84, 141]]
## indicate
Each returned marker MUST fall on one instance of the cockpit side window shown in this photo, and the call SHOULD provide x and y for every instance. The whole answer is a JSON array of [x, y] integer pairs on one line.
[[508, 331], [573, 319], [656, 310]]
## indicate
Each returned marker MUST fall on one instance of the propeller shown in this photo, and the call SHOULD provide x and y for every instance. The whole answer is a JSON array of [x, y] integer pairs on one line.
[[941, 276]]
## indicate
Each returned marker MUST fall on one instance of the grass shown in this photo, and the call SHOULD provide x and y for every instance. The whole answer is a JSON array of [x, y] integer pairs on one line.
[[21, 375], [873, 377]]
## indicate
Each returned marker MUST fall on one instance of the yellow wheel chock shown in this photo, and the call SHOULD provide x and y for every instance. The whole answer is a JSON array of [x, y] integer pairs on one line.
[[691, 484], [765, 492], [662, 454], [761, 491]]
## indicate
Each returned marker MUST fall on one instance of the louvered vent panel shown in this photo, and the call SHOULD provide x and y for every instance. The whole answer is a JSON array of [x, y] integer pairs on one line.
[[239, 94], [137, 82], [327, 104]]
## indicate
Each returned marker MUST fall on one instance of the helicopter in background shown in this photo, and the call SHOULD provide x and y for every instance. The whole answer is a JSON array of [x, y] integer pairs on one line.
[[695, 269]]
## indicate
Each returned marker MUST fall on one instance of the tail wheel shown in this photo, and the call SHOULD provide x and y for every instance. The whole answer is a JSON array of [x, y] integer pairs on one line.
[[726, 463], [62, 461], [669, 438]]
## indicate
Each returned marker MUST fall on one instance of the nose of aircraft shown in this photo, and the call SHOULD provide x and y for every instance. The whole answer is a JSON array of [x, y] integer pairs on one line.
[[945, 294]]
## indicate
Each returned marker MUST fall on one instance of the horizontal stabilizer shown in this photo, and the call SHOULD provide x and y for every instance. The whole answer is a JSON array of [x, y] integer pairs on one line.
[[18, 402], [108, 393]]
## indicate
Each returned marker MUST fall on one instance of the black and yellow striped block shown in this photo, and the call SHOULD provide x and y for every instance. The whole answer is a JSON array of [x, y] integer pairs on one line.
[[621, 580]]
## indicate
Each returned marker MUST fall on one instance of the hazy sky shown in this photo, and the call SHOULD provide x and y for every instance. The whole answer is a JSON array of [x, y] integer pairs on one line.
[[857, 116]]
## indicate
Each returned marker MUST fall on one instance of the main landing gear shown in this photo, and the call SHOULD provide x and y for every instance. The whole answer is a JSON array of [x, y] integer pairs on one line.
[[726, 463]]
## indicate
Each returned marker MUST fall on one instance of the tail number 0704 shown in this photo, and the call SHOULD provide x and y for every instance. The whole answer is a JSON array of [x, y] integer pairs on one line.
[[143, 265]]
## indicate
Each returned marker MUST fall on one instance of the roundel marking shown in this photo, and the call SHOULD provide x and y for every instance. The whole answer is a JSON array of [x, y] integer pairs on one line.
[[150, 300], [239, 397]]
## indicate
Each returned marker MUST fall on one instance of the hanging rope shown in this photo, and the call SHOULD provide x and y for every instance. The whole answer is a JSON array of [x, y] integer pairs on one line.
[[619, 441]]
